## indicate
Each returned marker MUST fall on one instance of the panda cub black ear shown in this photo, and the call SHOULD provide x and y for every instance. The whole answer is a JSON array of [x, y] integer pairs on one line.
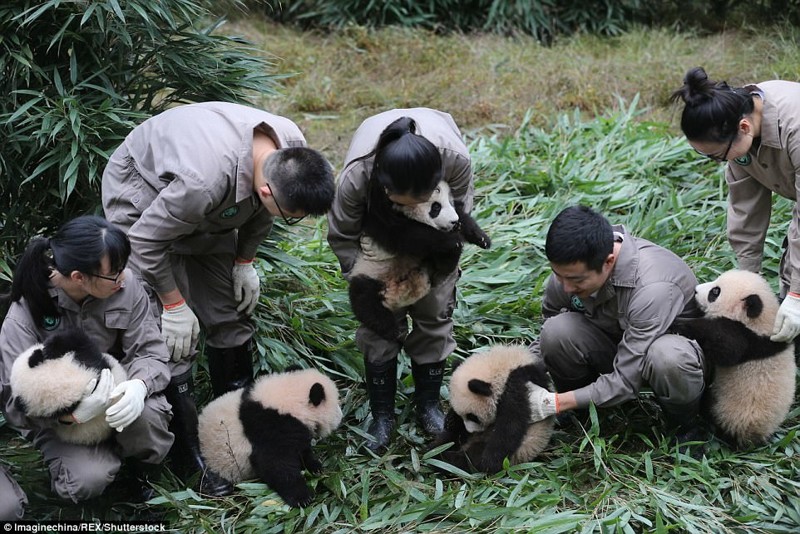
[[317, 394], [36, 358], [480, 387], [753, 306]]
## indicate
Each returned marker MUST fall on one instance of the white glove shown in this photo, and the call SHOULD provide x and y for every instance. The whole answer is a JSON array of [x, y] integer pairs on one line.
[[180, 328], [373, 251], [129, 406], [787, 322], [542, 402], [95, 397], [246, 286]]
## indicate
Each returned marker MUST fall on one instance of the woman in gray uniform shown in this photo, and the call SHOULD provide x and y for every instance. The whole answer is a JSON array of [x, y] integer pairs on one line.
[[405, 152], [77, 279], [754, 129]]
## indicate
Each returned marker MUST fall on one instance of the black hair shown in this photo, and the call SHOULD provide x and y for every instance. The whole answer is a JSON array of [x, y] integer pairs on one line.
[[579, 234], [303, 179], [79, 245], [405, 162], [712, 109]]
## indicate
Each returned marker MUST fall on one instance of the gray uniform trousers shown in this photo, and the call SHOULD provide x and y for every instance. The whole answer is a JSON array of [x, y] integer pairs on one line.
[[431, 338], [80, 472], [576, 352], [12, 498]]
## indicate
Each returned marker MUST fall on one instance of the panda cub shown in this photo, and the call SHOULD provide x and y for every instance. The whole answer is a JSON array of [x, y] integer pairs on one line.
[[489, 416], [266, 430], [754, 378], [49, 379], [410, 248]]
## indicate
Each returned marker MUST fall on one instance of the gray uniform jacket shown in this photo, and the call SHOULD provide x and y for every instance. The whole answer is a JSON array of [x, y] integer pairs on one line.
[[347, 212], [773, 166], [648, 288], [122, 325], [188, 185]]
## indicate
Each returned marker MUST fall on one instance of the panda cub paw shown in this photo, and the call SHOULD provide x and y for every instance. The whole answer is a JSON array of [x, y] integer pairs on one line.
[[298, 497]]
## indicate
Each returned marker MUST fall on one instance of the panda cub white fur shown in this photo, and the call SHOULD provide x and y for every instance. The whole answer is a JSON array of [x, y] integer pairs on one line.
[[266, 431], [489, 416], [754, 378], [409, 247], [49, 379]]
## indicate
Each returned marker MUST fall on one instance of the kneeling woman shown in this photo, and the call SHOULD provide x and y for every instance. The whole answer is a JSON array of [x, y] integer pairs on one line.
[[77, 279]]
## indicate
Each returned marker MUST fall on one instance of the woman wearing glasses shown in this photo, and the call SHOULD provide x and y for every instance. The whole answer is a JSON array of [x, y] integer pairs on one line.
[[77, 279], [406, 153], [755, 130], [196, 188]]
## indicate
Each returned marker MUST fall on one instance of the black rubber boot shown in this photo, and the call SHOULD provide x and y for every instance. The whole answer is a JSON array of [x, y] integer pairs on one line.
[[427, 384], [381, 387], [186, 449], [231, 368]]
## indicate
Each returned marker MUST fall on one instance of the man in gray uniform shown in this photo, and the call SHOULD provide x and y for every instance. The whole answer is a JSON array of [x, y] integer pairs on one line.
[[432, 142], [196, 189], [608, 305]]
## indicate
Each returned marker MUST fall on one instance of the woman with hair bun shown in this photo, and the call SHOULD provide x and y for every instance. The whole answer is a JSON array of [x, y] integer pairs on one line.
[[399, 156], [756, 130]]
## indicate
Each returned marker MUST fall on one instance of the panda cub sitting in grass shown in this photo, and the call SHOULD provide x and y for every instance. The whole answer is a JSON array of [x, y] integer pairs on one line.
[[266, 431], [753, 377], [406, 251]]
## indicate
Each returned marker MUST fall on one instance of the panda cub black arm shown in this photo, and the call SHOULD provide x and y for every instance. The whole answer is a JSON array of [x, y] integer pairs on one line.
[[469, 228], [726, 342], [511, 424]]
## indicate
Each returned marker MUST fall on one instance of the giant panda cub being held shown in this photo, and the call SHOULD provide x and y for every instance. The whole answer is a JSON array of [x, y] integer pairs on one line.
[[407, 250], [753, 377], [266, 431]]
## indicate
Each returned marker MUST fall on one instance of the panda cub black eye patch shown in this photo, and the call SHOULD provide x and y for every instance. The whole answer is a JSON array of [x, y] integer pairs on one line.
[[714, 294], [473, 418], [436, 209]]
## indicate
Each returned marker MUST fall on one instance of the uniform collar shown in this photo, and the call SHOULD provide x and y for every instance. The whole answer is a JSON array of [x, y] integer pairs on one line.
[[626, 266], [245, 168], [770, 123]]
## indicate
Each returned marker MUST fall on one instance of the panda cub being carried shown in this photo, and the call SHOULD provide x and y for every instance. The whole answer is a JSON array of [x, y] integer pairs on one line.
[[406, 251], [754, 377]]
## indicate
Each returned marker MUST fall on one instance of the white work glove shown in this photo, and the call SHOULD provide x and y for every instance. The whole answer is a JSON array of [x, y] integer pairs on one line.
[[95, 397], [787, 322], [129, 407], [246, 286], [372, 251], [180, 328], [542, 403]]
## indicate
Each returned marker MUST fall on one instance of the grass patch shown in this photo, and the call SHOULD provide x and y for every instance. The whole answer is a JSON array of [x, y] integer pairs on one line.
[[615, 473]]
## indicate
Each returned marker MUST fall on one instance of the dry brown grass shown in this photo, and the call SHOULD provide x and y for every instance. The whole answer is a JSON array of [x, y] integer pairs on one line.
[[488, 82]]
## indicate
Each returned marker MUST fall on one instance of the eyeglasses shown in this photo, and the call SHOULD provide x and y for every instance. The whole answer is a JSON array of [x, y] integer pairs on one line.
[[114, 278], [724, 157], [288, 220]]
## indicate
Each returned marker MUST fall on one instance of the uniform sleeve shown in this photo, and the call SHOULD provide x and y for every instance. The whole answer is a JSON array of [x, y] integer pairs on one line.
[[346, 215], [650, 313], [176, 212], [749, 210], [16, 336], [146, 355], [459, 177], [253, 233], [793, 144]]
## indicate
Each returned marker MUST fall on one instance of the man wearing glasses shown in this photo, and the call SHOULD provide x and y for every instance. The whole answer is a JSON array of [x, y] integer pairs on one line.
[[196, 188]]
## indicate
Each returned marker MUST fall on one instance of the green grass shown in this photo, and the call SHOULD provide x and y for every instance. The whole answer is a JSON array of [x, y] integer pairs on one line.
[[616, 474]]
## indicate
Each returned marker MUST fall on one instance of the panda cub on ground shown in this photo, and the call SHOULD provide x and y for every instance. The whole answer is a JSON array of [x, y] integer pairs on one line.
[[49, 379], [489, 416], [266, 431], [410, 248], [754, 378]]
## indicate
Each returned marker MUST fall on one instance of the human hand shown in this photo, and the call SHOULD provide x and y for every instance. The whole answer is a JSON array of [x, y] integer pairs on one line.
[[246, 286], [373, 251], [95, 399], [787, 322], [129, 406], [543, 403], [180, 328]]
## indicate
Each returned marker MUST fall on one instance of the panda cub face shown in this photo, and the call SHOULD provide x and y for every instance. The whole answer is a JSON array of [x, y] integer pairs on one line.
[[740, 296], [438, 211]]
